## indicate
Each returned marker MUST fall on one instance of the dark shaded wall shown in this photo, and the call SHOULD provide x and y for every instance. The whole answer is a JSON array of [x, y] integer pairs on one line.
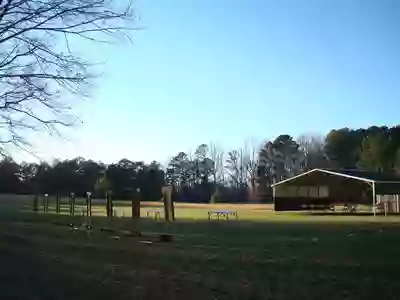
[[340, 190]]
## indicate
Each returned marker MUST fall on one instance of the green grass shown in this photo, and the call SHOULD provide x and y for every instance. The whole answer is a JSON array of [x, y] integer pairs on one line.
[[286, 257], [245, 214], [265, 255]]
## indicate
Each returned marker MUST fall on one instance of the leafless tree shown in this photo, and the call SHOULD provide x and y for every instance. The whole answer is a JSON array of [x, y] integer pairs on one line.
[[40, 70], [312, 147], [217, 156], [250, 162], [233, 168], [235, 165]]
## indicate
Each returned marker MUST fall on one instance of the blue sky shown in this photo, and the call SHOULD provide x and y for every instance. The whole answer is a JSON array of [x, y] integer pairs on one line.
[[229, 70]]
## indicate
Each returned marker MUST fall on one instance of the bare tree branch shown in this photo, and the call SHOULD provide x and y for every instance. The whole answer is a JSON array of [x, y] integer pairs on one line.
[[38, 67]]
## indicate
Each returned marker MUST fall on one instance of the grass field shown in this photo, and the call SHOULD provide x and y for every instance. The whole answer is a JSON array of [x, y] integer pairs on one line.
[[263, 256]]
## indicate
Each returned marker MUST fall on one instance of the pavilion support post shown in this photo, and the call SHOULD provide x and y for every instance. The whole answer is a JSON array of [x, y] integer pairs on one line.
[[273, 194], [392, 207], [373, 198], [397, 203]]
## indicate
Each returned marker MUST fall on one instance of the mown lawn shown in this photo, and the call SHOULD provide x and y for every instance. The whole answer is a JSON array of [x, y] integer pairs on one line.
[[285, 256]]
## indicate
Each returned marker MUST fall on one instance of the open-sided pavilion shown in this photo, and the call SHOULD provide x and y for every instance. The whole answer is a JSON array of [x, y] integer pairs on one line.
[[324, 187]]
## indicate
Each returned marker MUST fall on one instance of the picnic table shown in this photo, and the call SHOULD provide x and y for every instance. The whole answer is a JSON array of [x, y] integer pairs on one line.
[[224, 213], [352, 208], [155, 212]]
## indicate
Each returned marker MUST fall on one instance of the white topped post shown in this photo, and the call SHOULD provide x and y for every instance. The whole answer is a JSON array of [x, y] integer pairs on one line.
[[373, 199]]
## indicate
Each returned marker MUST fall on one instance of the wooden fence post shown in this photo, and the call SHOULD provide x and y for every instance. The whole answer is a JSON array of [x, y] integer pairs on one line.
[[46, 203], [58, 204], [72, 204], [89, 204], [168, 203], [109, 204], [35, 203], [136, 204]]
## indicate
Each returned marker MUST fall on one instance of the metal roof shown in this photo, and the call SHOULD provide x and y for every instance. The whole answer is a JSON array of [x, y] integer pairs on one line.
[[372, 176], [362, 175]]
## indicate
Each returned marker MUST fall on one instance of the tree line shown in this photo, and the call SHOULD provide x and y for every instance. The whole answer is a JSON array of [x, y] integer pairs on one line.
[[209, 173]]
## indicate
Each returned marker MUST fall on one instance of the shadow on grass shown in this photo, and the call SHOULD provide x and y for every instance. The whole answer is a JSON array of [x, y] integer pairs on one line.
[[311, 222], [353, 214], [46, 259]]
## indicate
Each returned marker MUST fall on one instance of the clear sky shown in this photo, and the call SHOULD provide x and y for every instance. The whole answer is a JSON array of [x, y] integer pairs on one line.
[[228, 70]]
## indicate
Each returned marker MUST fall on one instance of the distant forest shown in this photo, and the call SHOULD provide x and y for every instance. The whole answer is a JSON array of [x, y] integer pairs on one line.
[[210, 174]]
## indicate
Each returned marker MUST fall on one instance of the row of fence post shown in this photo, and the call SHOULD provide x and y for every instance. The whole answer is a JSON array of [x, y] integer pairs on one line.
[[167, 192], [71, 203]]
